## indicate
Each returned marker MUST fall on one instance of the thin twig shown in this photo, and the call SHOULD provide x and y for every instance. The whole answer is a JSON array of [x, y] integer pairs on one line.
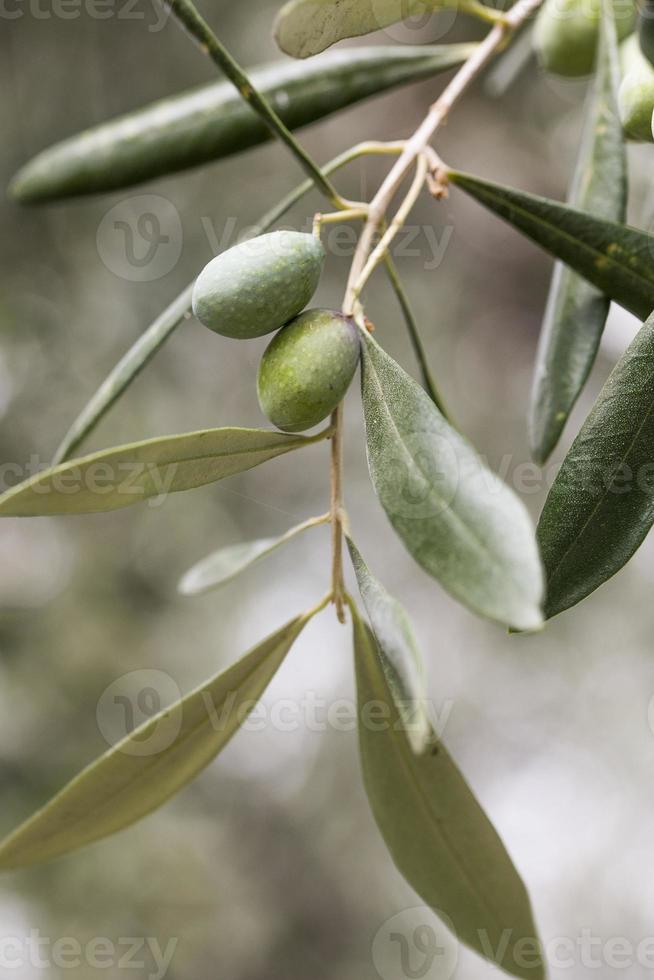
[[187, 14], [438, 112], [396, 224], [412, 327]]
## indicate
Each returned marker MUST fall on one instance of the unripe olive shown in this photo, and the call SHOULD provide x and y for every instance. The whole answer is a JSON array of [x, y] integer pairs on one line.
[[566, 33], [636, 93], [257, 286], [307, 368]]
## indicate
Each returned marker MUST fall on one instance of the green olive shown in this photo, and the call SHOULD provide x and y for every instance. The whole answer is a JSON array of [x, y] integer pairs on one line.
[[257, 286], [636, 93], [307, 368], [566, 33]]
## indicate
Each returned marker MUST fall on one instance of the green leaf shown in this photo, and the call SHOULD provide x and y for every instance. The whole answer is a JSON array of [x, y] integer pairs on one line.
[[115, 478], [601, 505], [225, 564], [152, 763], [458, 520], [438, 836], [576, 311], [402, 664], [616, 258], [127, 369], [213, 122], [306, 27]]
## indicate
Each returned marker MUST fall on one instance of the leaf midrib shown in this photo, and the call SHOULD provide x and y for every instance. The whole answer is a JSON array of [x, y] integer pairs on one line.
[[479, 544], [580, 243], [604, 495], [459, 860], [147, 771]]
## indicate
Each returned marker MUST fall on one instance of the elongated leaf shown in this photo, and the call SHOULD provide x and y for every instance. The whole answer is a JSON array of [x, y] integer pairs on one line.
[[616, 258], [115, 478], [401, 662], [438, 835], [226, 563], [306, 27], [576, 311], [213, 122], [127, 369], [151, 764], [458, 520], [601, 505]]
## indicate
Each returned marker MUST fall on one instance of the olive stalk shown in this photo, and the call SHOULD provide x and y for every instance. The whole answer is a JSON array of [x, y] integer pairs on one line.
[[418, 152], [495, 40], [195, 25]]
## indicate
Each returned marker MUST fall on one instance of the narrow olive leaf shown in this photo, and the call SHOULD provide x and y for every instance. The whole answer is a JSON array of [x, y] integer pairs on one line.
[[616, 258], [226, 563], [576, 310], [306, 27], [402, 664], [458, 520], [214, 122], [601, 505], [437, 833], [127, 369], [118, 477], [152, 763]]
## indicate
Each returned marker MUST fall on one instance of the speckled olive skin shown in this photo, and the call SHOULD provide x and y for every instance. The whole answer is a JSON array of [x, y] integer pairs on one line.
[[636, 93], [258, 286], [566, 32], [307, 368]]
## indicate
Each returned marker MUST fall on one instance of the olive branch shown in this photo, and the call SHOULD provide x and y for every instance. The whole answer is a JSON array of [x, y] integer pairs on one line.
[[412, 152]]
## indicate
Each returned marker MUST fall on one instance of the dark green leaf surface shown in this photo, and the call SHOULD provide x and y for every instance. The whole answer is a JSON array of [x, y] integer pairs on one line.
[[226, 563], [576, 310], [402, 664], [152, 763], [306, 27], [601, 505], [214, 122], [458, 520], [118, 477], [616, 258], [438, 835]]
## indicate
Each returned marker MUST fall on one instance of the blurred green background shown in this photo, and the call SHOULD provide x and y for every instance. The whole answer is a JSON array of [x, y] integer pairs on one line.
[[270, 865]]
